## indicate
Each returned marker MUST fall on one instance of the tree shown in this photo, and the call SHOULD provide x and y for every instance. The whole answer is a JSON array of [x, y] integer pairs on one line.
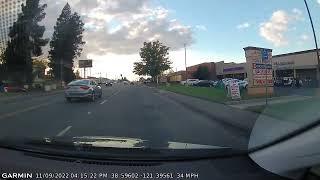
[[26, 40], [39, 67], [154, 60], [66, 44], [201, 73]]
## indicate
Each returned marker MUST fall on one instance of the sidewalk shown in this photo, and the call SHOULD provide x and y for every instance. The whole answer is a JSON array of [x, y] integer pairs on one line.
[[243, 104]]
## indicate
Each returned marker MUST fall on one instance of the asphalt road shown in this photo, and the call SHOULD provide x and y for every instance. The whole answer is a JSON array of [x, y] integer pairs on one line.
[[134, 111]]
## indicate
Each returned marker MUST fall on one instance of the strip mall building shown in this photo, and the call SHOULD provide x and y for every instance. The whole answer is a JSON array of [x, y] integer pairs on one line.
[[302, 65]]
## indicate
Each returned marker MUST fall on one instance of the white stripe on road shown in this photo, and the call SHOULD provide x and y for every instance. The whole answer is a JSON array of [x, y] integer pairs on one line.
[[4, 116], [104, 101], [64, 131]]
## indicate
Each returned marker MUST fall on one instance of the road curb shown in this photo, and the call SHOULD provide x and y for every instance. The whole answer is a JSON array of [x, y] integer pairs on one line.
[[6, 99], [210, 115]]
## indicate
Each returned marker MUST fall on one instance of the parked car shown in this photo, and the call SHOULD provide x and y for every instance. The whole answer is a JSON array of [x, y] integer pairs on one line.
[[13, 87], [287, 81], [183, 82], [242, 83], [226, 81], [109, 84], [214, 83], [278, 82], [83, 89], [203, 83], [191, 82]]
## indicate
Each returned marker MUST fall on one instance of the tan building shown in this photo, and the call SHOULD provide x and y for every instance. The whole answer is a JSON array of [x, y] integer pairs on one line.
[[177, 76], [302, 65]]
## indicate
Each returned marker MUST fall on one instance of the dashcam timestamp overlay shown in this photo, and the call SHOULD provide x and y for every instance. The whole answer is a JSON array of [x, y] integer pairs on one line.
[[102, 175]]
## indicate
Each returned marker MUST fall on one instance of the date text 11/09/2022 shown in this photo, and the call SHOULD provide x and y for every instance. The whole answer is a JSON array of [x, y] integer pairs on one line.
[[144, 175]]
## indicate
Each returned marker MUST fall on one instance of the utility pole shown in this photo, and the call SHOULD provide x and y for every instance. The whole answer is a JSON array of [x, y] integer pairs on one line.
[[61, 72], [185, 60], [315, 42]]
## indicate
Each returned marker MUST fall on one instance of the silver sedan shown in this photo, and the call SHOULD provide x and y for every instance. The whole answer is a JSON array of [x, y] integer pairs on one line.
[[84, 88]]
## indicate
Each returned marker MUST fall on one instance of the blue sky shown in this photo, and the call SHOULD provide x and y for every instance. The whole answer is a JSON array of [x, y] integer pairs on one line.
[[221, 19], [216, 30]]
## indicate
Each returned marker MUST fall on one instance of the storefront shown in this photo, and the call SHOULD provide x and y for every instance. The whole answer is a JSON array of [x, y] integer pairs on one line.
[[301, 65], [231, 70]]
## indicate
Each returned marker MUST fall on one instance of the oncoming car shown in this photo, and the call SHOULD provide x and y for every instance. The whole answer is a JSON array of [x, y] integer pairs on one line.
[[84, 88]]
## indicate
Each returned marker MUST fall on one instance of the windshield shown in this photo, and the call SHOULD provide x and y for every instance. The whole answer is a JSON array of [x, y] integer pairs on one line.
[[228, 74], [79, 82]]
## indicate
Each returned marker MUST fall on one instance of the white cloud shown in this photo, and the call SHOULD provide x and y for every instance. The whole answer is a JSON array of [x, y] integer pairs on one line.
[[201, 27], [297, 14], [275, 29], [304, 37], [116, 30], [136, 21], [243, 25], [318, 1]]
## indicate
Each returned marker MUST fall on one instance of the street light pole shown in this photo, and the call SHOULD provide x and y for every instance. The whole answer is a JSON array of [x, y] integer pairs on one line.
[[61, 71], [185, 60], [315, 42]]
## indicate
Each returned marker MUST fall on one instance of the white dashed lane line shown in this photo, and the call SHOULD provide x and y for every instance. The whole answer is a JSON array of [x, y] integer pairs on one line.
[[64, 131], [106, 100]]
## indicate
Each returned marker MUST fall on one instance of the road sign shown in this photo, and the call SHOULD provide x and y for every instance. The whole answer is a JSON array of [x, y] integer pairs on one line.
[[265, 55], [234, 90], [85, 63]]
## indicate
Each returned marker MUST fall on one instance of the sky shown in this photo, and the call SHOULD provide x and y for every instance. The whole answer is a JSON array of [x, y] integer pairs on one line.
[[213, 30]]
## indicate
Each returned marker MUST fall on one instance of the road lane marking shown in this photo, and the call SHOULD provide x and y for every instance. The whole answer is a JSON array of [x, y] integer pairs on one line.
[[64, 131], [112, 95], [104, 101], [7, 115]]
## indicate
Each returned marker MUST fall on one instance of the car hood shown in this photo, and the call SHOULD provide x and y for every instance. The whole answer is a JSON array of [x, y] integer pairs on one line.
[[116, 148]]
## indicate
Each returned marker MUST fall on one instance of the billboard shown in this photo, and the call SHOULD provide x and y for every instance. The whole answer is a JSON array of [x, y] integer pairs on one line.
[[85, 63]]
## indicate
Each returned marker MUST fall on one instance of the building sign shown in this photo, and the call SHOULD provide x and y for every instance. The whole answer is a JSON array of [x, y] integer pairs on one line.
[[85, 63], [261, 82], [234, 90], [283, 63], [261, 73], [261, 66], [233, 69]]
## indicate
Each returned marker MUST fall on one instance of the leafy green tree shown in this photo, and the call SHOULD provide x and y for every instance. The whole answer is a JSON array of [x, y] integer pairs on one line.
[[202, 73], [39, 67], [26, 40], [66, 44], [154, 60]]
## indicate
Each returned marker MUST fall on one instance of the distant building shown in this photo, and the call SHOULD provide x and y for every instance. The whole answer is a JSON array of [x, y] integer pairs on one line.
[[210, 65], [231, 70], [176, 76], [9, 10]]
